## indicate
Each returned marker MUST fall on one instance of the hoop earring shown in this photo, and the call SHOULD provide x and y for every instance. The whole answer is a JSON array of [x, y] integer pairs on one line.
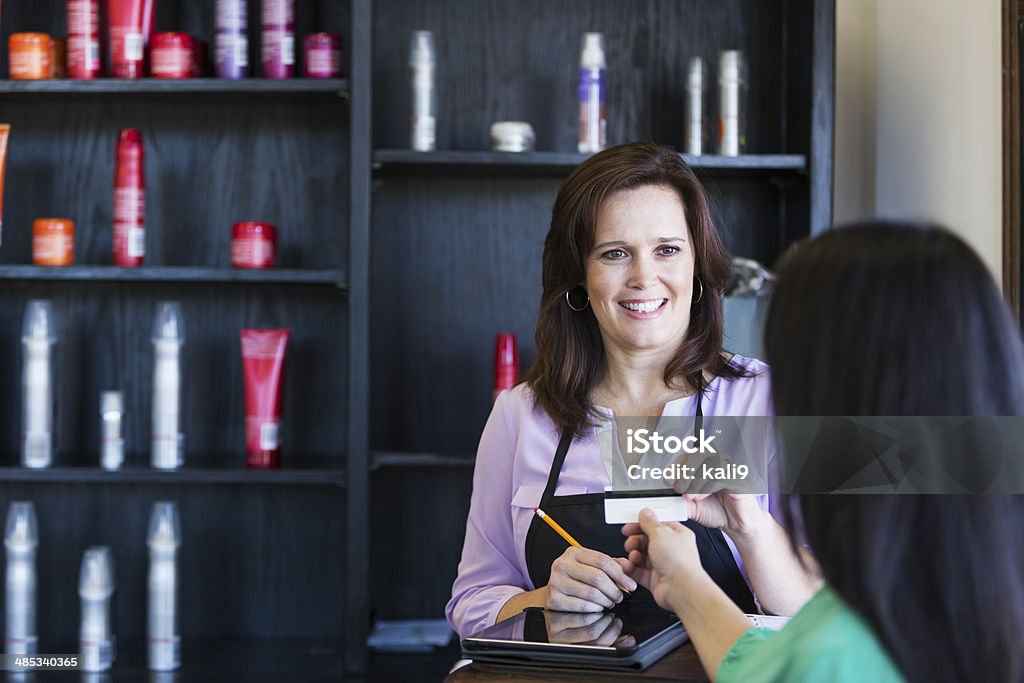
[[701, 295], [569, 302]]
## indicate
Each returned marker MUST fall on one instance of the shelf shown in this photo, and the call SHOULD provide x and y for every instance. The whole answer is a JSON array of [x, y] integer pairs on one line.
[[162, 86], [221, 659], [173, 274], [379, 459], [452, 162], [197, 470]]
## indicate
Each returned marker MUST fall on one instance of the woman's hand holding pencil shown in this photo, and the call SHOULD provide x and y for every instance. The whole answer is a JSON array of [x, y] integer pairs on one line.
[[585, 580]]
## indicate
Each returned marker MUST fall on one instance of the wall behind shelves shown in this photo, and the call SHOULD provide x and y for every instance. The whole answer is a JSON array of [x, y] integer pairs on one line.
[[924, 140]]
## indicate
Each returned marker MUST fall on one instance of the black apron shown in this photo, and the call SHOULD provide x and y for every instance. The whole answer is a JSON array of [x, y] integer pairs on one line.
[[583, 517]]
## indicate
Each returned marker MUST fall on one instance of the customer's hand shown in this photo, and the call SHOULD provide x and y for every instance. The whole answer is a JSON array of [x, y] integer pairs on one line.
[[584, 580], [737, 514], [664, 556]]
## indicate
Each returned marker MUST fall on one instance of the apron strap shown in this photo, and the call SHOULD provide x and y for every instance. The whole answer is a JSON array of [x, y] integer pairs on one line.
[[556, 467]]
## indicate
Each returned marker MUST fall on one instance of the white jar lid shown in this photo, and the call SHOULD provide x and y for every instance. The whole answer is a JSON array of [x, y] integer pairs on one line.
[[512, 136]]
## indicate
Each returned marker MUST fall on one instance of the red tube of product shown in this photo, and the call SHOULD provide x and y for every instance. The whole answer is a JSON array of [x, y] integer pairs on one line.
[[506, 364], [131, 24], [263, 356], [83, 39], [129, 200]]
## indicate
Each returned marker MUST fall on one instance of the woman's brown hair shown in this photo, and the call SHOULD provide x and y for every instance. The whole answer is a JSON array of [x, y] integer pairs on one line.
[[570, 352]]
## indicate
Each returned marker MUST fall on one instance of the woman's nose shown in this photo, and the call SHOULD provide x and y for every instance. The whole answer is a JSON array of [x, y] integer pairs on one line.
[[642, 273]]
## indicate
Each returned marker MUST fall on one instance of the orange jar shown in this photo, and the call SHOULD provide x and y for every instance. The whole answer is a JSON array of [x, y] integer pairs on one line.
[[58, 60], [29, 56], [53, 242]]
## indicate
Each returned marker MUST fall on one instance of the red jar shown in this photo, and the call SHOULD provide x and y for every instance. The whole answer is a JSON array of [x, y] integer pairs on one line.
[[322, 55], [172, 55], [253, 245]]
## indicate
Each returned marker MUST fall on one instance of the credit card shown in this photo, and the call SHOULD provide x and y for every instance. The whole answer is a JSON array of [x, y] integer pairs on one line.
[[623, 506]]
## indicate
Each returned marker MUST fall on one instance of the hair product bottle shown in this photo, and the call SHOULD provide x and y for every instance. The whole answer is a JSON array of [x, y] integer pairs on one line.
[[37, 339], [168, 338], [164, 641], [95, 586], [20, 539], [591, 93]]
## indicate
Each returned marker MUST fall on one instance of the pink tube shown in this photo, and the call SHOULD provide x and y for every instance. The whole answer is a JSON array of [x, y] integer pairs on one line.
[[131, 23], [263, 356]]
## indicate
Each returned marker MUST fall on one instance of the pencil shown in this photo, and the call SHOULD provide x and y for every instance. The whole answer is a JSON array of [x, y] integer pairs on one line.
[[568, 538], [558, 528]]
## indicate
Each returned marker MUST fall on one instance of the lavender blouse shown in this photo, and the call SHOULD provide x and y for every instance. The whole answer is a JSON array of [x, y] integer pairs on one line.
[[513, 460]]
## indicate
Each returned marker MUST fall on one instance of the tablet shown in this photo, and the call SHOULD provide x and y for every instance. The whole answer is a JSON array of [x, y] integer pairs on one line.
[[631, 637]]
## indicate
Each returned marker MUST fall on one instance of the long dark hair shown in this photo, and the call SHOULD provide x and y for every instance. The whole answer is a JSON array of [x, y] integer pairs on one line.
[[570, 352], [900, 319]]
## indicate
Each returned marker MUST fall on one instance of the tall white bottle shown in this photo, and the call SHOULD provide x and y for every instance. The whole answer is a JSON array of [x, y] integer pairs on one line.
[[164, 641], [20, 539], [423, 117], [95, 586], [37, 339], [168, 451], [592, 124]]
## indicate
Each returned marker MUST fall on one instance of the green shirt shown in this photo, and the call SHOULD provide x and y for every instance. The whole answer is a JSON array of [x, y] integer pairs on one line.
[[825, 641]]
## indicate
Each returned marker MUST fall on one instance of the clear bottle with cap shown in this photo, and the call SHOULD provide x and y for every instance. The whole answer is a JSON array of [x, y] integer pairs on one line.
[[423, 117], [37, 339], [591, 95], [695, 107], [111, 430], [164, 641], [20, 539], [168, 442], [732, 83], [95, 587]]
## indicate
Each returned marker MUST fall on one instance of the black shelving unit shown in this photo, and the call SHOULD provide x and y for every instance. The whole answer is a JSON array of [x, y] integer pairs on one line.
[[272, 582], [160, 86], [458, 232], [280, 562], [180, 274], [400, 161]]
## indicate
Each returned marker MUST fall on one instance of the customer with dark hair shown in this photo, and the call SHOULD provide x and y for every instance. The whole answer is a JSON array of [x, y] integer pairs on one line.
[[630, 324], [877, 319]]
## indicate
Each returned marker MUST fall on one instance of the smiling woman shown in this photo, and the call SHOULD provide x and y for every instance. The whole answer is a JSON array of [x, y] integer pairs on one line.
[[630, 324]]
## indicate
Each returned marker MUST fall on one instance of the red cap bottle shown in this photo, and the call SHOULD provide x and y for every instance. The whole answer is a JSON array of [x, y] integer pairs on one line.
[[83, 49], [129, 200], [506, 363]]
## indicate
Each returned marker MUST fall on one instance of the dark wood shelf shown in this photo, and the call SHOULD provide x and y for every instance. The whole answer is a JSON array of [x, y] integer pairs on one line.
[[379, 459], [458, 162], [196, 470], [167, 86], [223, 659], [173, 274]]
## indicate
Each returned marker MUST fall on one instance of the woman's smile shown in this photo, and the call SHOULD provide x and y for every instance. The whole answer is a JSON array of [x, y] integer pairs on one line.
[[643, 309]]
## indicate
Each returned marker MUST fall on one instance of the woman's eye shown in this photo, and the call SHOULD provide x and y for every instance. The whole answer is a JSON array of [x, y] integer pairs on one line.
[[614, 254], [668, 250]]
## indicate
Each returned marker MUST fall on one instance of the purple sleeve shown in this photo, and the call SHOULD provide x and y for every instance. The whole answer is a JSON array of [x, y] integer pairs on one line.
[[489, 573]]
